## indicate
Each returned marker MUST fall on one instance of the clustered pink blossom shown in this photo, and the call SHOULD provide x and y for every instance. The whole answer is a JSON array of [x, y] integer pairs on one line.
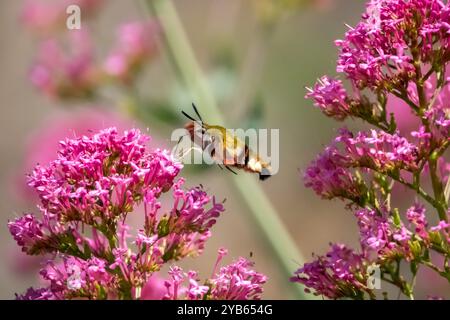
[[398, 52], [236, 281], [343, 273], [62, 124], [85, 197], [57, 73], [376, 53], [382, 234], [340, 273], [331, 97], [330, 175]]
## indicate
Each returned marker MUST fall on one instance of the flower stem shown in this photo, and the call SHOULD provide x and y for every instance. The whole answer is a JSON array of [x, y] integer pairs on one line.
[[262, 211], [438, 189]]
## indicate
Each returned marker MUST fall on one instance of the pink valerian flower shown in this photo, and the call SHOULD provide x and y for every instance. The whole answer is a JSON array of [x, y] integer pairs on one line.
[[102, 176], [177, 290], [378, 150], [173, 236], [86, 195], [442, 225], [182, 230], [440, 118], [66, 73], [340, 273], [47, 16], [136, 44], [80, 278], [416, 216], [375, 231], [331, 174], [331, 97], [376, 51], [62, 124], [27, 231], [188, 212], [379, 234], [74, 277], [36, 236], [37, 294], [397, 53], [236, 281], [329, 178]]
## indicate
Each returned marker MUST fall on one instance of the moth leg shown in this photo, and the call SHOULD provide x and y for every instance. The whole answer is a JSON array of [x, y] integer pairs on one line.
[[178, 143], [188, 151]]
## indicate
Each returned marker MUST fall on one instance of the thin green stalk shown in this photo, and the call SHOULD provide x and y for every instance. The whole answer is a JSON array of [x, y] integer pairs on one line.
[[447, 191], [438, 188], [262, 211]]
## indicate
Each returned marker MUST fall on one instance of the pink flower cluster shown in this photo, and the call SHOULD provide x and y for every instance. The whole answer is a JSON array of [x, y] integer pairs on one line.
[[343, 273], [331, 97], [340, 273], [399, 50], [388, 237], [86, 195], [376, 53], [331, 175], [397, 45], [236, 281]]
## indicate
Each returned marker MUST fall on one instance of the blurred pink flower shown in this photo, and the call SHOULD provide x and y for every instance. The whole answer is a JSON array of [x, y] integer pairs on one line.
[[65, 72], [154, 289], [404, 117], [136, 43], [21, 263], [41, 16]]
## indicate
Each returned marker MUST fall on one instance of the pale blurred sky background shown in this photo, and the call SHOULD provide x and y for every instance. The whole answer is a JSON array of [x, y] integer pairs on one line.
[[300, 50]]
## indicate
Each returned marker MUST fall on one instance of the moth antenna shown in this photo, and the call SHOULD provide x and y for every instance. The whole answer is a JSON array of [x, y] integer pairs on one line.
[[196, 112], [231, 170], [188, 116]]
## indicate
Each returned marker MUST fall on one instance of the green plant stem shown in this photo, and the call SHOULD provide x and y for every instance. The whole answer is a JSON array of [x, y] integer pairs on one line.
[[447, 191], [424, 105], [262, 211], [438, 189]]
